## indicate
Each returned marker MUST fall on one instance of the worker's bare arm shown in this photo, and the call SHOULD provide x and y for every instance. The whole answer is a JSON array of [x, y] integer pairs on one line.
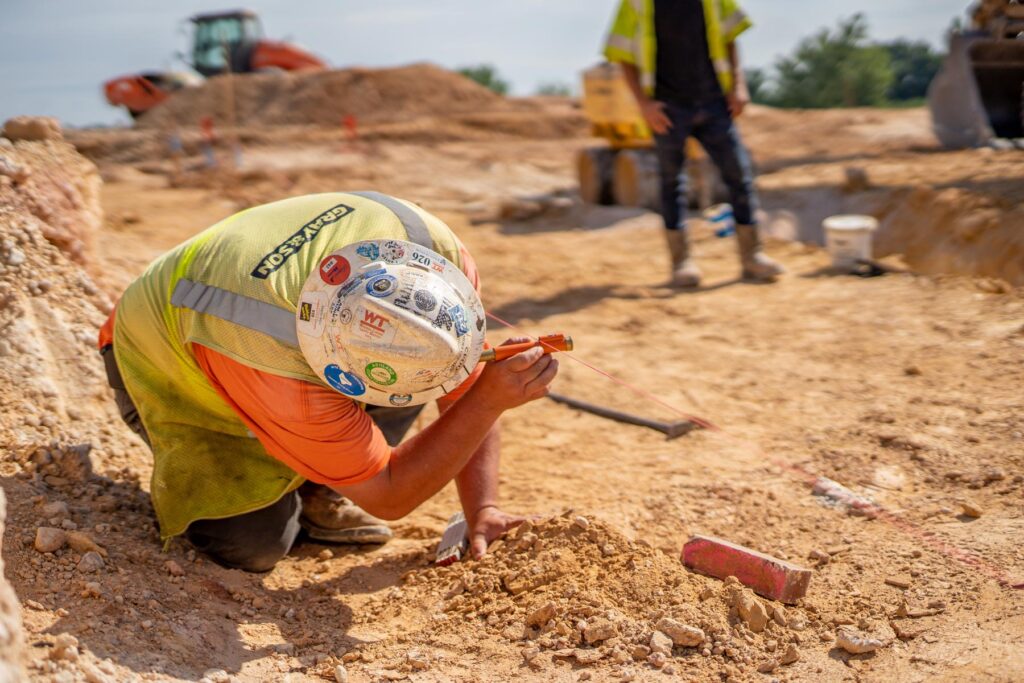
[[422, 466], [652, 110], [739, 96]]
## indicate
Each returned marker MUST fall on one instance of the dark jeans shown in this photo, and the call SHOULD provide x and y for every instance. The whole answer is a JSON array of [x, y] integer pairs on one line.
[[712, 125], [256, 540]]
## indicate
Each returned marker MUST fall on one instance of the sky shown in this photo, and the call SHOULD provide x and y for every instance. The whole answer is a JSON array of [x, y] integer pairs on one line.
[[55, 54]]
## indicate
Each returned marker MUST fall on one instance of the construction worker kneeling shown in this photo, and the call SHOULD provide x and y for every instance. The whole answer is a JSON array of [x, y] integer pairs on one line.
[[275, 362]]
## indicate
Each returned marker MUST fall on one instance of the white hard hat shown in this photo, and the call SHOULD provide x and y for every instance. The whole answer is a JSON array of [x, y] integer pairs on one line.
[[390, 323]]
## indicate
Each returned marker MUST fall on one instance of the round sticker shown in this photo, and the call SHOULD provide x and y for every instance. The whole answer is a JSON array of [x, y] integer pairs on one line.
[[345, 382], [400, 399], [381, 286], [335, 269], [381, 373], [392, 251], [425, 301], [345, 317]]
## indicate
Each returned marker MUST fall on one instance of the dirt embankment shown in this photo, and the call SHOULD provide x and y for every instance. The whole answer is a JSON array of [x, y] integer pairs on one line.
[[325, 98]]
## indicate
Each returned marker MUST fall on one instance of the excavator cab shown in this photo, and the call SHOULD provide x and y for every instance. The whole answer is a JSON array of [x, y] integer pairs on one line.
[[225, 41]]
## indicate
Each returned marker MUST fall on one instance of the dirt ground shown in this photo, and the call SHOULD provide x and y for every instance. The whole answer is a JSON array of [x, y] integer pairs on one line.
[[905, 388]]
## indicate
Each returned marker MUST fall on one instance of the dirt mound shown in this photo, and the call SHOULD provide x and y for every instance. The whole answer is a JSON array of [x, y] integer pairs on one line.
[[324, 98], [570, 592], [954, 231], [48, 180]]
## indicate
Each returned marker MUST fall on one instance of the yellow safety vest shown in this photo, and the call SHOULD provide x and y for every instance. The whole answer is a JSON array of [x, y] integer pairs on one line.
[[632, 40], [234, 288]]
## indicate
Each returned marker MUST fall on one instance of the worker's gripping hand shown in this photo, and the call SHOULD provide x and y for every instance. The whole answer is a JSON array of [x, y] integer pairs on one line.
[[517, 380], [487, 524], [655, 116]]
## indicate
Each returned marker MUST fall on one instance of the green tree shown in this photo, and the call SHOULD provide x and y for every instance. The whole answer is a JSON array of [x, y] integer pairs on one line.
[[834, 69], [556, 89], [914, 64], [757, 84], [487, 76]]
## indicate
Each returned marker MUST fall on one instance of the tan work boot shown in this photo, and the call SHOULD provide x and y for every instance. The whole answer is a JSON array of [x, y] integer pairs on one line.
[[685, 272], [329, 516], [756, 265]]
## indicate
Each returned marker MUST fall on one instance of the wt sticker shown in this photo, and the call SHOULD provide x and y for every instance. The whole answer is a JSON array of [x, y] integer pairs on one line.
[[335, 269], [345, 382]]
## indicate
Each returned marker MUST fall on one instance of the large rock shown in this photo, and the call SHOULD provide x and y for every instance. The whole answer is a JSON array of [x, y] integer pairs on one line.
[[11, 644], [33, 128]]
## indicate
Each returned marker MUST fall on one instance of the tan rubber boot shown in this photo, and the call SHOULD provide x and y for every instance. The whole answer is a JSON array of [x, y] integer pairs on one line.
[[685, 272], [756, 265], [329, 516]]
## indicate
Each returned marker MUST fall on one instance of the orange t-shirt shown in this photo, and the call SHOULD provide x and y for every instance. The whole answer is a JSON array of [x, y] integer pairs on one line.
[[314, 430]]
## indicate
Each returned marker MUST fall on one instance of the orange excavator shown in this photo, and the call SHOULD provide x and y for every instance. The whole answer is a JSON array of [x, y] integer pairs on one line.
[[221, 42]]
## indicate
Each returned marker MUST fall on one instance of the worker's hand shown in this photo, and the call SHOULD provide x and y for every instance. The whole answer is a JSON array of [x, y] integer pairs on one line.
[[654, 114], [738, 100], [487, 524], [517, 380]]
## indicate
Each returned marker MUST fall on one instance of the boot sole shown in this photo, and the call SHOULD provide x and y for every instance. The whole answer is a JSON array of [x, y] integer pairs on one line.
[[363, 535]]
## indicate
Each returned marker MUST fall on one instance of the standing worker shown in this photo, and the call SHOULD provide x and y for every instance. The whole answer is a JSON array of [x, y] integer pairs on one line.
[[244, 358], [681, 63]]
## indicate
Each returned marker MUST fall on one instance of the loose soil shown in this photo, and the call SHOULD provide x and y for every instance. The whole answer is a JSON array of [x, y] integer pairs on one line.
[[905, 388]]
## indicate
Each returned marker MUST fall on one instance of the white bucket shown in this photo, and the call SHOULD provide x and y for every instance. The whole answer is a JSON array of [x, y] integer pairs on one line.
[[848, 238]]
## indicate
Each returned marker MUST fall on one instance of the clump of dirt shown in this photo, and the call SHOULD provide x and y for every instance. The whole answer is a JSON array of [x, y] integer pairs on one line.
[[325, 98], [572, 592], [954, 231]]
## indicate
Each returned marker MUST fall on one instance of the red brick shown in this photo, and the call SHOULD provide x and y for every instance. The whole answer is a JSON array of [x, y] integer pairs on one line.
[[769, 576]]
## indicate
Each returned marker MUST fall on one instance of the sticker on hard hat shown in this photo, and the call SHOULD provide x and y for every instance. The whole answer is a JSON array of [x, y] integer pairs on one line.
[[345, 382], [369, 250], [406, 326], [425, 301], [382, 285], [381, 373], [392, 251], [335, 269]]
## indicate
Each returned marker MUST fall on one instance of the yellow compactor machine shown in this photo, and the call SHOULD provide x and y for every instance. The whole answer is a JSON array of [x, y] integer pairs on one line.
[[978, 95], [624, 171]]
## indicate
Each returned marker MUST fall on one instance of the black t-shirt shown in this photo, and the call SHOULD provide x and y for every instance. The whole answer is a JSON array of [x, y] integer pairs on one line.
[[684, 73]]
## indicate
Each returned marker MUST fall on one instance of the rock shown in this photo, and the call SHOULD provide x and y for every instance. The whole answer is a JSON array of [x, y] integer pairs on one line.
[[779, 615], [82, 543], [598, 630], [217, 676], [90, 562], [65, 647], [15, 257], [173, 568], [32, 128], [92, 590], [791, 655], [901, 582], [581, 522], [661, 643], [971, 509], [541, 615], [681, 634], [856, 643], [657, 659], [11, 646], [57, 508], [819, 556], [49, 540], [341, 674], [768, 666], [750, 609], [530, 654]]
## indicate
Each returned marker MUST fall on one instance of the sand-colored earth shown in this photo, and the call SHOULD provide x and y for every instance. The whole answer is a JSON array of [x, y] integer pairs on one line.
[[905, 388]]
